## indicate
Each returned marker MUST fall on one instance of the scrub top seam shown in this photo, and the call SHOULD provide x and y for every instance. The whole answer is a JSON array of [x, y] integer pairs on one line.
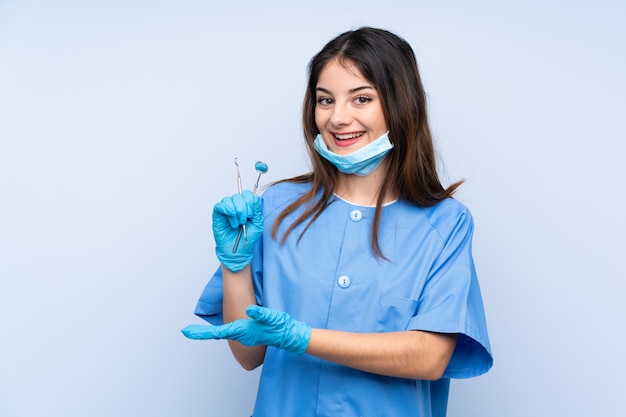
[[334, 277]]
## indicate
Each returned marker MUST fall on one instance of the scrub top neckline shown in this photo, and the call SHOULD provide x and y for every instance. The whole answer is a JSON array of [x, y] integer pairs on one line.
[[364, 206]]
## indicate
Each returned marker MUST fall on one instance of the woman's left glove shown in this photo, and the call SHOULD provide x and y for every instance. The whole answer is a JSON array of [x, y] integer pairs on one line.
[[228, 216], [264, 327]]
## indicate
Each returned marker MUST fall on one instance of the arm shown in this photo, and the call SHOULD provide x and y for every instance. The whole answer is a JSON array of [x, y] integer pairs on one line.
[[406, 354], [238, 289], [238, 294]]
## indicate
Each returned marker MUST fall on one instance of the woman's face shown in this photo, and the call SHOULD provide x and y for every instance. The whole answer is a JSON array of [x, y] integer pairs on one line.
[[348, 111]]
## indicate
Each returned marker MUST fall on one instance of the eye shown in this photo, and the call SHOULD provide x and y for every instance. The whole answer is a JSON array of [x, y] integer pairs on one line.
[[324, 101], [362, 99]]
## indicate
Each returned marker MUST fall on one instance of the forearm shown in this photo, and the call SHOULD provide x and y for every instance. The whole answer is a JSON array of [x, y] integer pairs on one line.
[[407, 354], [239, 294]]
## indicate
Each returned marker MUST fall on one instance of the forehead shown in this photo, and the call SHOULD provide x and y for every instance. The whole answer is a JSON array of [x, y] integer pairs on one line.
[[341, 74]]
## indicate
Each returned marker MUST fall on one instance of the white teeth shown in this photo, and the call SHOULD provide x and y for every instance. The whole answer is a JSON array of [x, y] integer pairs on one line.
[[348, 136]]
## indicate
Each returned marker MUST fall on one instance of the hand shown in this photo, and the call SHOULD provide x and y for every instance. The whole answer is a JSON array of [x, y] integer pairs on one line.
[[228, 216], [264, 327]]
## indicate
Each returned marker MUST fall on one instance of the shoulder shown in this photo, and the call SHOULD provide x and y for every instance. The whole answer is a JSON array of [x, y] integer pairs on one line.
[[285, 191], [280, 195], [449, 217], [446, 209]]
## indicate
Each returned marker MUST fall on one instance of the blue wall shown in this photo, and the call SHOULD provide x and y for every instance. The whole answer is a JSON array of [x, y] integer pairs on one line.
[[119, 122]]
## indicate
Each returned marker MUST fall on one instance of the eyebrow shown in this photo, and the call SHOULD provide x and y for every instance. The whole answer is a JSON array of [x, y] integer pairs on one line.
[[351, 91]]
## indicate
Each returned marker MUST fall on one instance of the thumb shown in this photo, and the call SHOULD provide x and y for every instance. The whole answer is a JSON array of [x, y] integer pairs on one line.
[[266, 315], [258, 313]]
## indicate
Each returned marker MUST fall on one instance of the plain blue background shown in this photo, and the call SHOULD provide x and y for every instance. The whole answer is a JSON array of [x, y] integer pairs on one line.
[[119, 122]]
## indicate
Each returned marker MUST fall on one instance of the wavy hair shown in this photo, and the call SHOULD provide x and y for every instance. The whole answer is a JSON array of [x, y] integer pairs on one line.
[[388, 62]]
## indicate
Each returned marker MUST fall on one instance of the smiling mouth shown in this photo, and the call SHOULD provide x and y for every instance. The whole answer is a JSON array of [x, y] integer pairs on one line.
[[347, 136]]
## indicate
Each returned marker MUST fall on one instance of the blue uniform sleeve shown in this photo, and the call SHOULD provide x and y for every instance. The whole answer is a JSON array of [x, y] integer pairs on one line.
[[451, 301], [209, 305]]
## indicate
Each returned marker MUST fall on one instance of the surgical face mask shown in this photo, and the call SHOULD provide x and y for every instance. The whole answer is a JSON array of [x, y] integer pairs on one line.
[[361, 162]]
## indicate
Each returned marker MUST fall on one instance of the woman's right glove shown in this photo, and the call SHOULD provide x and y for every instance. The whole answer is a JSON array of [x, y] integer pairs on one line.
[[228, 216]]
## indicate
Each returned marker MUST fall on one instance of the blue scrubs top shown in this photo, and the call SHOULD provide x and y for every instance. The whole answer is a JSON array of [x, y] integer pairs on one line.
[[331, 280]]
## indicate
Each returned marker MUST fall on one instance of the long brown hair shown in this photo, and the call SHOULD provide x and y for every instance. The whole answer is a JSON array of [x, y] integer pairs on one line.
[[388, 62]]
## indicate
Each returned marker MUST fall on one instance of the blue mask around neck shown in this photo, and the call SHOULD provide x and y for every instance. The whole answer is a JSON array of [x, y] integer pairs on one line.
[[361, 162]]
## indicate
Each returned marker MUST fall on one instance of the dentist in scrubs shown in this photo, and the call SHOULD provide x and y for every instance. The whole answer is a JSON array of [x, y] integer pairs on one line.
[[357, 290]]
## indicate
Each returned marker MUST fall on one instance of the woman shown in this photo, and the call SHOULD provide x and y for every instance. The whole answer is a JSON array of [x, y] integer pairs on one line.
[[361, 298]]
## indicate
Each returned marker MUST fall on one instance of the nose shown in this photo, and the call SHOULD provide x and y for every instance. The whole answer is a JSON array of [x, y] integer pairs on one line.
[[341, 115]]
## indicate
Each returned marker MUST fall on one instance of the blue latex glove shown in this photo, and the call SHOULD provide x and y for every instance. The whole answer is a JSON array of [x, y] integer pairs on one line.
[[264, 327], [228, 215]]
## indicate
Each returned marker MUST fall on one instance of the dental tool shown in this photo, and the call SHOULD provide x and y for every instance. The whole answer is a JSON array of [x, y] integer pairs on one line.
[[261, 168], [242, 228]]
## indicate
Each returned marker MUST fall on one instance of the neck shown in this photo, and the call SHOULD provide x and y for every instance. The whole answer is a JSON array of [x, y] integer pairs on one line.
[[364, 191]]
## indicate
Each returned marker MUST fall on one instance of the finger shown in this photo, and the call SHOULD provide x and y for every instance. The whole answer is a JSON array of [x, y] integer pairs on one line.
[[220, 220], [195, 331], [248, 197], [262, 314], [204, 332], [224, 207], [257, 211], [241, 209], [228, 208]]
